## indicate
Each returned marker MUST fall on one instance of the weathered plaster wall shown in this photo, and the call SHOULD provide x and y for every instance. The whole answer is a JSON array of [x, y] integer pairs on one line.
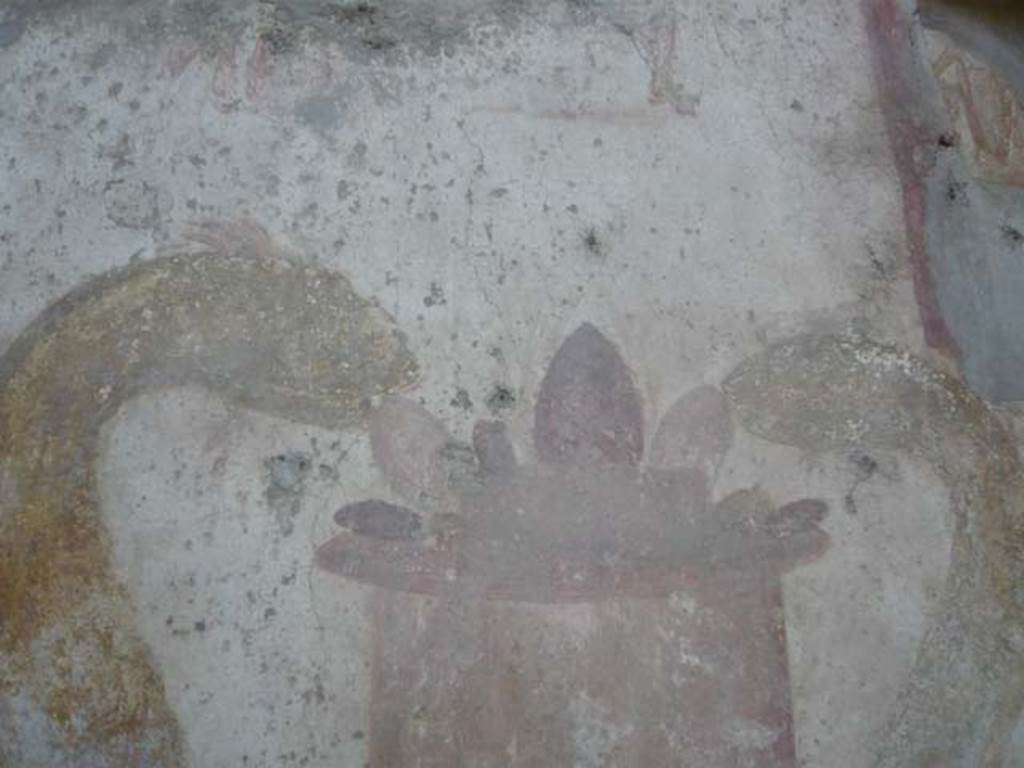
[[698, 182]]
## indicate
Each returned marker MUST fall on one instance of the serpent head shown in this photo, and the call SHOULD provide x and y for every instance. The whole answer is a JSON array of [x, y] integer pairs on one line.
[[281, 336]]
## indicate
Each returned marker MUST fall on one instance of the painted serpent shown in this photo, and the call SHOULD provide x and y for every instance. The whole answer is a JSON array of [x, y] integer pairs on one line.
[[298, 342], [965, 692], [234, 316]]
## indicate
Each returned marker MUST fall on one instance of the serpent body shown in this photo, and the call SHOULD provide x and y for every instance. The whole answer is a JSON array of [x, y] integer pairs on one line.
[[237, 318], [965, 692]]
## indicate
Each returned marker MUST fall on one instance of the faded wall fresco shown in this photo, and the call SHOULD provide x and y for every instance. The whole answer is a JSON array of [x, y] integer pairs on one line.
[[488, 548], [588, 524], [233, 315], [953, 128], [564, 539], [964, 695], [986, 114], [977, 61], [461, 678]]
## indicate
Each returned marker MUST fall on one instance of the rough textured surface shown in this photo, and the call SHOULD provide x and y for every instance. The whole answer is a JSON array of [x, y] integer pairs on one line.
[[271, 335], [964, 695], [965, 256], [574, 383]]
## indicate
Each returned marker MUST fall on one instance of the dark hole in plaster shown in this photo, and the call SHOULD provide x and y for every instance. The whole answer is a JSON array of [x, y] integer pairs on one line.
[[592, 242], [287, 472], [501, 397], [462, 400], [866, 466], [436, 296], [277, 40], [955, 191]]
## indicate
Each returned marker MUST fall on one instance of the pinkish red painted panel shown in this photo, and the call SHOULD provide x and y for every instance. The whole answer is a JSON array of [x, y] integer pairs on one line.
[[986, 114], [682, 655]]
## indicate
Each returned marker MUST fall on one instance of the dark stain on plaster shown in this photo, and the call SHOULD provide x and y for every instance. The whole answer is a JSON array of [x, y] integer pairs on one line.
[[436, 297], [462, 400], [367, 31], [592, 243], [1012, 235], [278, 40], [501, 398]]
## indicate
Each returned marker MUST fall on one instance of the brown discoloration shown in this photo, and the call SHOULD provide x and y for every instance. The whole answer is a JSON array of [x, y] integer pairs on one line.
[[965, 692], [992, 30], [980, 69], [236, 317], [987, 114]]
